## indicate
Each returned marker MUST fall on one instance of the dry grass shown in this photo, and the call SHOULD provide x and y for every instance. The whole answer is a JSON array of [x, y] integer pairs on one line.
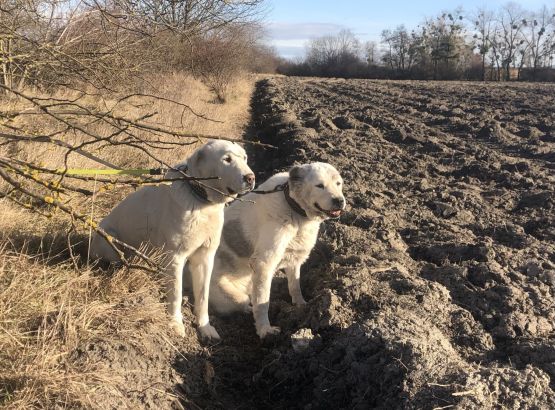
[[49, 312], [229, 120], [53, 308]]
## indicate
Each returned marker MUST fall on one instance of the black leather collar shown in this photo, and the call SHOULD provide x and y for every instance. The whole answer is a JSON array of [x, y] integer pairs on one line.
[[292, 203], [198, 191]]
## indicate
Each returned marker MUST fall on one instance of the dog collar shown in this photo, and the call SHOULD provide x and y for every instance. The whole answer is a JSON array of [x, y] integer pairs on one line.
[[292, 203], [198, 191]]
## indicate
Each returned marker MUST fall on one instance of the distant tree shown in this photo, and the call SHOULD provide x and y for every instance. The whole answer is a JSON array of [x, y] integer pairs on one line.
[[539, 37], [400, 49], [487, 44], [371, 51], [484, 28], [512, 20], [263, 59], [444, 38], [334, 55]]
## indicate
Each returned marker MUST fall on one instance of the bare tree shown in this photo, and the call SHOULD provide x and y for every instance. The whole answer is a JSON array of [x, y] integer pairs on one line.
[[333, 54], [483, 21], [539, 37], [222, 54], [188, 17], [371, 50], [400, 49], [512, 20]]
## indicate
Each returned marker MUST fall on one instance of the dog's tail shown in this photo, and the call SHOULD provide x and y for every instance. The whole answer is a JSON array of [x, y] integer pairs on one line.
[[229, 294]]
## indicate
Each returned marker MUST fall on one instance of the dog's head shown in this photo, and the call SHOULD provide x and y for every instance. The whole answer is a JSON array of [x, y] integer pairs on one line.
[[318, 189], [227, 161]]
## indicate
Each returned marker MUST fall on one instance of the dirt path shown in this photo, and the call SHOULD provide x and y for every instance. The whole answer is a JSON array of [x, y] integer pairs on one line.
[[436, 288]]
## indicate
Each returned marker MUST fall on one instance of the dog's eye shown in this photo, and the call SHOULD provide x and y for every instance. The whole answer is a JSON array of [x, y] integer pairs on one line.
[[228, 159], [321, 186], [338, 183]]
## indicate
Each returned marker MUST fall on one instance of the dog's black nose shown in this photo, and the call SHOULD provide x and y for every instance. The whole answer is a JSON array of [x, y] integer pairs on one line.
[[338, 202], [249, 178]]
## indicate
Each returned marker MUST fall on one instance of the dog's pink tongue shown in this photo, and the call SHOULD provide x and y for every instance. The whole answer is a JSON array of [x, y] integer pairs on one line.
[[335, 214]]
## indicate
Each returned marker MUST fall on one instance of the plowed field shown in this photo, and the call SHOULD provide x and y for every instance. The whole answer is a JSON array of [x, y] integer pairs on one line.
[[436, 287]]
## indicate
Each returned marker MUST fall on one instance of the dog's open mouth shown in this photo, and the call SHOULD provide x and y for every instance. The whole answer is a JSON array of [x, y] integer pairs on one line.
[[333, 213]]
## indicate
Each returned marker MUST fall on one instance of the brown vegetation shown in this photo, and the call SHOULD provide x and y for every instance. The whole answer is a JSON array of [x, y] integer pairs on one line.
[[99, 85], [90, 74]]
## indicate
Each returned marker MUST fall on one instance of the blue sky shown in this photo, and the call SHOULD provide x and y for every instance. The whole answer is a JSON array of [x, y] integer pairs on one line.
[[291, 24]]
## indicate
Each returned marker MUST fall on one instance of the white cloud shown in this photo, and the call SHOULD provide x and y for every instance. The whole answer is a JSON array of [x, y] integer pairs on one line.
[[295, 43], [301, 31], [290, 39]]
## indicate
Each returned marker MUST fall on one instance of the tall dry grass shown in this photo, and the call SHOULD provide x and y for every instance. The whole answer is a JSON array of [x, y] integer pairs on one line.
[[50, 311], [229, 120], [53, 305]]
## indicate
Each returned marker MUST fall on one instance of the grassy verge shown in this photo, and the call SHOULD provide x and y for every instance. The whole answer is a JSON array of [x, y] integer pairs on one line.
[[71, 335]]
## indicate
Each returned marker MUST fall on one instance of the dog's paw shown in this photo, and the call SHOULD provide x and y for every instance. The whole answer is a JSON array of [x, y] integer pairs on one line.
[[268, 331], [208, 332], [178, 327]]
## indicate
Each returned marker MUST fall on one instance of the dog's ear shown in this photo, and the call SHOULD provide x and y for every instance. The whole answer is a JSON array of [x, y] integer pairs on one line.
[[195, 159], [174, 173], [296, 174]]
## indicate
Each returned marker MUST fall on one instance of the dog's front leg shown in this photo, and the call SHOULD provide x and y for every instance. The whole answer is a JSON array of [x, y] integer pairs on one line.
[[174, 292], [294, 284], [201, 264], [264, 261]]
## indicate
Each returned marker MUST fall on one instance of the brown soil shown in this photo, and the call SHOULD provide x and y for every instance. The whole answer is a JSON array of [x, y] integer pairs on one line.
[[436, 287], [434, 290]]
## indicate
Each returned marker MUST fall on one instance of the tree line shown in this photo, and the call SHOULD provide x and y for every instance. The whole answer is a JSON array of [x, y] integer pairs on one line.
[[510, 43], [114, 44]]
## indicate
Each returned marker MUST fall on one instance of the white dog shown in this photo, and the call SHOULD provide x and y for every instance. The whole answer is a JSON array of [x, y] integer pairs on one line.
[[277, 231], [185, 220]]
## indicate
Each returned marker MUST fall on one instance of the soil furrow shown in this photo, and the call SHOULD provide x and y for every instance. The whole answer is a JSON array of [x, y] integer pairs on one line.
[[435, 288]]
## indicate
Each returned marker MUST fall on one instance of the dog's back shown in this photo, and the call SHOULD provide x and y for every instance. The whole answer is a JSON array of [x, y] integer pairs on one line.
[[125, 222]]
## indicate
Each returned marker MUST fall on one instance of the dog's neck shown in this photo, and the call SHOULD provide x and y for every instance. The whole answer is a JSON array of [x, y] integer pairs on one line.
[[294, 205]]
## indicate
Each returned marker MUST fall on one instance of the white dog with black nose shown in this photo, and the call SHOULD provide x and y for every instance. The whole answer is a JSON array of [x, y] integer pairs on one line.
[[277, 231], [185, 221]]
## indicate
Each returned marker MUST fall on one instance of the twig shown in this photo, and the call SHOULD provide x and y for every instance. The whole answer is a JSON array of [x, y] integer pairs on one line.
[[463, 393], [91, 218]]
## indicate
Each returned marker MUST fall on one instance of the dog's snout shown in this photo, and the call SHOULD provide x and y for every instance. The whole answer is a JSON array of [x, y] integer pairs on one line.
[[249, 178], [339, 202]]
